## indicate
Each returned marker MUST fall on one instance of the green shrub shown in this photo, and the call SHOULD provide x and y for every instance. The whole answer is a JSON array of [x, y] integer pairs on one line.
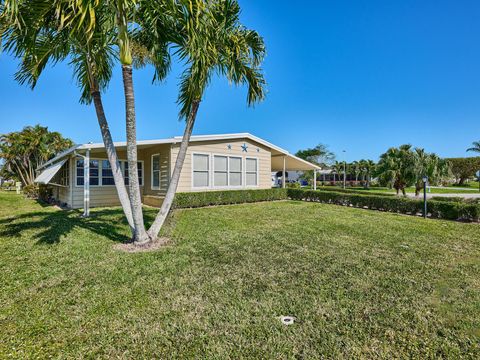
[[45, 193], [294, 185], [31, 191], [437, 209], [208, 198], [448, 199]]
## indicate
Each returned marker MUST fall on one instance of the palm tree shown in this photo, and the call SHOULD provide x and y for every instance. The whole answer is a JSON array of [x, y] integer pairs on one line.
[[26, 150], [476, 147], [397, 168], [81, 32], [429, 165], [368, 168], [337, 169], [212, 41], [355, 166]]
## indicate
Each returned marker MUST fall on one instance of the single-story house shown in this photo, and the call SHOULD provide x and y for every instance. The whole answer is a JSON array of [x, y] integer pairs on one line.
[[213, 162]]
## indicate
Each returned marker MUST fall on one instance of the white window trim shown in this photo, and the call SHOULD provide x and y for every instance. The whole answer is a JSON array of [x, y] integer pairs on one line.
[[211, 172], [159, 173], [257, 172], [228, 187], [209, 177], [100, 180]]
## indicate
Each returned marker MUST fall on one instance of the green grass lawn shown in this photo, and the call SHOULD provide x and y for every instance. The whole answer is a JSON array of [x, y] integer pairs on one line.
[[362, 284]]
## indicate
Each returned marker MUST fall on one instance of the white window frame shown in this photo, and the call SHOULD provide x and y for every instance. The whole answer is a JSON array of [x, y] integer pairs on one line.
[[159, 173], [257, 172], [242, 170], [228, 186], [100, 179], [211, 172], [209, 176], [99, 172]]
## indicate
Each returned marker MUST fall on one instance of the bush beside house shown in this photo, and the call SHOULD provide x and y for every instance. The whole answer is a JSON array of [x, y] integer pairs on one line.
[[209, 198]]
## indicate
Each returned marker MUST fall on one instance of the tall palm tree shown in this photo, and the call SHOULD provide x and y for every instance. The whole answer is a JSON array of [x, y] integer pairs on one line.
[[337, 169], [368, 168], [81, 32], [212, 41], [475, 147], [355, 166]]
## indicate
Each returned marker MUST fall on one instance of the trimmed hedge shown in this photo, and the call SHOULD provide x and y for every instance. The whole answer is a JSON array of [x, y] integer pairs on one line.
[[450, 210], [436, 209], [208, 198], [456, 199]]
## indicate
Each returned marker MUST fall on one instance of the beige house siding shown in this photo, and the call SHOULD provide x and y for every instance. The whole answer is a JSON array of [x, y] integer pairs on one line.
[[107, 195], [61, 193], [221, 148], [146, 155]]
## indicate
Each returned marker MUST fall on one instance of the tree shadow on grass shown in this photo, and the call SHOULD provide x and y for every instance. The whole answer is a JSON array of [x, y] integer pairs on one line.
[[48, 227]]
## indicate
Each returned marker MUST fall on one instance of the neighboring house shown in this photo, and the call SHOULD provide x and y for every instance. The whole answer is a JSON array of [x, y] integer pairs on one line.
[[213, 162]]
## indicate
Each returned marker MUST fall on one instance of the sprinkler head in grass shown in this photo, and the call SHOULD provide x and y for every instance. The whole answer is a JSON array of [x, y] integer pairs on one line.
[[287, 320]]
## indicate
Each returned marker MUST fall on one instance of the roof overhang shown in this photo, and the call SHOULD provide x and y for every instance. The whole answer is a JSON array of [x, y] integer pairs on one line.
[[47, 175], [292, 162]]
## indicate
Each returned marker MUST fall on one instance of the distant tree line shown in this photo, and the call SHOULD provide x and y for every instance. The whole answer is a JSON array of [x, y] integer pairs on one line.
[[398, 168]]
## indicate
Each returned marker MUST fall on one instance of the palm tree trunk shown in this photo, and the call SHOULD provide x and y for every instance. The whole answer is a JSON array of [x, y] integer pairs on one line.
[[172, 187], [20, 172], [140, 235], [112, 158]]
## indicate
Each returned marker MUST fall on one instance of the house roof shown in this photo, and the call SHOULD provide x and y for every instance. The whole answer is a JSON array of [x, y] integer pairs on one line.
[[293, 162]]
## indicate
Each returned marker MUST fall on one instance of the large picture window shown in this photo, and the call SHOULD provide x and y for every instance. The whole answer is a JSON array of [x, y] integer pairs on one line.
[[156, 171], [201, 169], [225, 172], [251, 172]]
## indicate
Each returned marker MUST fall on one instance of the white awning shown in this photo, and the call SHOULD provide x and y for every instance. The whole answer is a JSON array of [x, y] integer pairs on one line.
[[47, 175], [292, 163]]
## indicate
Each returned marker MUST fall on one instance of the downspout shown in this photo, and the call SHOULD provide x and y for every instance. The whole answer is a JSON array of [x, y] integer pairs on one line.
[[86, 183], [71, 179]]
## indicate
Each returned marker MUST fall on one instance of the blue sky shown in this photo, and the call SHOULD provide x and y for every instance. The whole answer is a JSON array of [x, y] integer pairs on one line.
[[360, 76]]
